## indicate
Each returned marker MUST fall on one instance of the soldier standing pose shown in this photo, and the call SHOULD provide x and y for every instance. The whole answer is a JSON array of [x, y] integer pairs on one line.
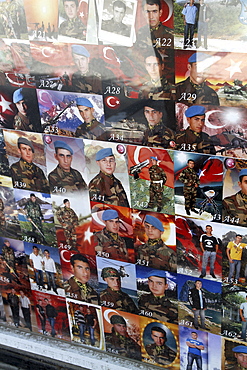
[[155, 252], [68, 220], [2, 217], [36, 263], [105, 187], [209, 246], [108, 240], [120, 341], [34, 215], [80, 321], [198, 303], [158, 350], [194, 351], [191, 181], [25, 174], [14, 302], [9, 256], [157, 181], [113, 296]]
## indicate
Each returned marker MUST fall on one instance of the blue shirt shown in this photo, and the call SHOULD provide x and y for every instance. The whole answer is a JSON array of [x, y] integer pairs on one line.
[[190, 14], [195, 351]]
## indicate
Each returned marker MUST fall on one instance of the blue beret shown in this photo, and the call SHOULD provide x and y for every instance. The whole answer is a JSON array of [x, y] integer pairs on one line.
[[80, 50], [109, 214], [84, 101], [102, 153], [23, 140], [240, 349], [197, 57], [156, 158], [195, 110], [18, 95], [158, 273], [154, 222], [243, 172], [58, 144]]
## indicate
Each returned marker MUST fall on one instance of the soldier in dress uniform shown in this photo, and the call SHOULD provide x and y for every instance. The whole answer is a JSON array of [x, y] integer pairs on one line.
[[157, 134], [64, 175], [235, 206], [156, 303], [195, 90], [119, 340], [77, 286], [105, 187], [159, 351], [115, 24], [191, 181], [34, 214], [113, 296], [25, 174], [73, 27], [193, 139], [156, 87], [84, 79], [155, 251], [2, 217], [68, 220], [108, 240], [157, 181], [90, 128]]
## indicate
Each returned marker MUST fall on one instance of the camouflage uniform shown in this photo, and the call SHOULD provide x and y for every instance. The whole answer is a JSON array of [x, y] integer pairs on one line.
[[162, 355], [235, 206], [125, 346], [82, 292], [33, 211], [2, 216], [189, 178], [157, 181], [116, 27], [69, 220], [73, 28], [8, 256], [158, 254], [111, 243], [29, 174], [163, 90], [205, 95], [93, 130], [160, 307], [158, 136], [157, 37], [15, 17], [107, 189], [23, 123], [121, 301], [87, 83], [191, 141], [72, 181]]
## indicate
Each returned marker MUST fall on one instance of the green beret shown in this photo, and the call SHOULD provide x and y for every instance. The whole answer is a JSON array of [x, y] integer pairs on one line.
[[117, 319], [109, 272]]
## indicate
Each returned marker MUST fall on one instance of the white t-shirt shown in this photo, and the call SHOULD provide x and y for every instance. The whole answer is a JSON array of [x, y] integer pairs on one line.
[[37, 261]]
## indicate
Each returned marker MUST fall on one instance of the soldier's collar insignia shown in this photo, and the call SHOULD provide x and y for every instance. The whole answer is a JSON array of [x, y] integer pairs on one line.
[[197, 86], [155, 28], [195, 133], [244, 196], [153, 241]]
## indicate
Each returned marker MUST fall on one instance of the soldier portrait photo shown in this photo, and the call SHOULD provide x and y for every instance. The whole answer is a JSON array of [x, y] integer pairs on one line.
[[159, 343], [191, 181], [25, 173], [72, 27], [235, 355], [64, 178], [13, 20], [122, 335], [105, 187], [116, 284], [69, 221], [157, 294]]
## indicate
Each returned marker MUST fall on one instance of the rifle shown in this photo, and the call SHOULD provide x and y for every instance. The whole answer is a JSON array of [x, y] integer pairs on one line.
[[135, 170], [54, 120], [39, 231]]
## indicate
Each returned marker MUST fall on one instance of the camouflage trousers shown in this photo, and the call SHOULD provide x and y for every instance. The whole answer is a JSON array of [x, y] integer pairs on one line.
[[38, 223], [2, 221], [70, 236], [190, 197], [155, 195]]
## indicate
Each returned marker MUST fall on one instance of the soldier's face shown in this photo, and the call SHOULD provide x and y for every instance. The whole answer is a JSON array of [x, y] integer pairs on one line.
[[197, 73], [153, 161], [154, 67], [191, 164], [64, 158], [241, 359], [22, 107], [86, 113], [70, 9], [81, 271], [112, 225], [120, 329], [152, 116], [33, 199], [114, 283], [26, 153], [118, 14], [158, 338], [107, 165], [196, 123], [152, 14], [81, 62], [151, 231], [67, 204], [243, 185], [157, 285]]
